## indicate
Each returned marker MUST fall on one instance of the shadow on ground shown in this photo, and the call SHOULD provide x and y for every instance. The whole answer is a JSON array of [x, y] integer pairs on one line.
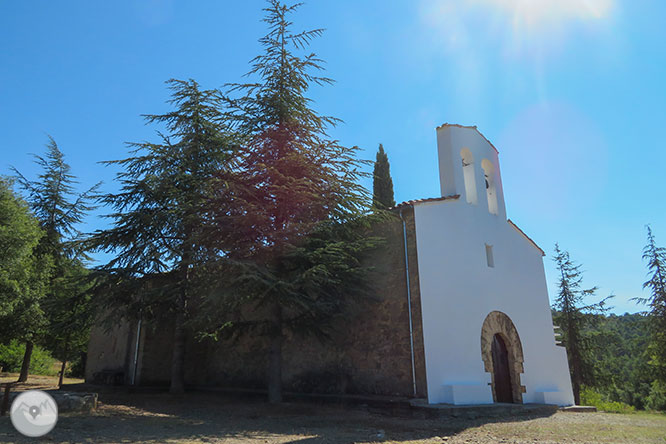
[[202, 417]]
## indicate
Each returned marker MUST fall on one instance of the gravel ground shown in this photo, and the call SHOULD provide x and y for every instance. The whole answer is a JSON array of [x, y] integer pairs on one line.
[[203, 418]]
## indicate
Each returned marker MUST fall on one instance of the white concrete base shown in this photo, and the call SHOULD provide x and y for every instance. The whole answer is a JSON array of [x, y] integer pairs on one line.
[[467, 394], [552, 397]]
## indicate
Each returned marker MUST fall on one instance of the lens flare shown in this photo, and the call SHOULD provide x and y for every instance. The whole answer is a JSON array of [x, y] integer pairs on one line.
[[519, 24], [548, 12]]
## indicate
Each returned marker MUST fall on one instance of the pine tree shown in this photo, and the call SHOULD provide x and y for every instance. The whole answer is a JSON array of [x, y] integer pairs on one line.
[[70, 314], [59, 208], [54, 201], [296, 198], [382, 184], [158, 235], [570, 306], [656, 261]]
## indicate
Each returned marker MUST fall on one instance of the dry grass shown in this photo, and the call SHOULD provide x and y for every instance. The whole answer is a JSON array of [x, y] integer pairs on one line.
[[36, 382]]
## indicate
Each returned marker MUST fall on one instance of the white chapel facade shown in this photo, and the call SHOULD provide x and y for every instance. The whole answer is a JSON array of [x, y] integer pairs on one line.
[[481, 279]]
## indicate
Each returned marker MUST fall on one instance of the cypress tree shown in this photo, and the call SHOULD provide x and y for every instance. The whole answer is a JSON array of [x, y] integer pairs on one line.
[[382, 184]]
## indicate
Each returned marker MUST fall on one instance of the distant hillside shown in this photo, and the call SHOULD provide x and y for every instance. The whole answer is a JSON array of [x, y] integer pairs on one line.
[[617, 347]]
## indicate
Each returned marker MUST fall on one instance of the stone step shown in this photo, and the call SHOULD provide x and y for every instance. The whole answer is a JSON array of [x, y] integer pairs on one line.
[[481, 410]]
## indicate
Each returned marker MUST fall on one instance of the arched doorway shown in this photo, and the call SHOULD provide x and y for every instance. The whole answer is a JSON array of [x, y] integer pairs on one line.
[[502, 355], [501, 373]]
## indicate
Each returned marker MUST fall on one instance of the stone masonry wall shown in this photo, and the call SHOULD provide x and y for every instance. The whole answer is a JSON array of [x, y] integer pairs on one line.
[[109, 353], [369, 352], [417, 320]]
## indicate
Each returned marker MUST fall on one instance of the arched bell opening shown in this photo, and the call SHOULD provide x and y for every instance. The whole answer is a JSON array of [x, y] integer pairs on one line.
[[469, 175], [491, 189]]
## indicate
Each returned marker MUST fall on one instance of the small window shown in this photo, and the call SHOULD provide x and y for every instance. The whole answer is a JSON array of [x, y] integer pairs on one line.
[[489, 256]]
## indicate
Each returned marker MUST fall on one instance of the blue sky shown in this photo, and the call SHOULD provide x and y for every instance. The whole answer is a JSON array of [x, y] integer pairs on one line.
[[571, 92]]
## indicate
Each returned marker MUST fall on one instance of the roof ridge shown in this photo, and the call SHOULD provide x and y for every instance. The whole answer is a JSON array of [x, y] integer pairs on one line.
[[474, 127], [512, 223]]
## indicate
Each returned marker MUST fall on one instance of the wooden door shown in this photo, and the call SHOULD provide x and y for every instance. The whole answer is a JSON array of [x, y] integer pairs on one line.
[[501, 374]]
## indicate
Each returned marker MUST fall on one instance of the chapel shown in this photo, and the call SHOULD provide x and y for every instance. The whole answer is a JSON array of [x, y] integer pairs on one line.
[[460, 312]]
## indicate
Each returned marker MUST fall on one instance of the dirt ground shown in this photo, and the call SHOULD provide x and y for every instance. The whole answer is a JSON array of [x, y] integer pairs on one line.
[[213, 418], [36, 382]]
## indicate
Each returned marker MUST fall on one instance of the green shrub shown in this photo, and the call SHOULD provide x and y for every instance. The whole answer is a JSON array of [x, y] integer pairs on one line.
[[11, 358], [656, 400], [590, 397], [616, 407]]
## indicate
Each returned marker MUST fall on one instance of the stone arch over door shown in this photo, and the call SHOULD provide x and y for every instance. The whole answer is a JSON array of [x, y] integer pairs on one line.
[[498, 323]]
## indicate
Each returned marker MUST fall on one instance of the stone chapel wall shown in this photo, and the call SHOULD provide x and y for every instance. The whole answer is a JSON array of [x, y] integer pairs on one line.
[[369, 353]]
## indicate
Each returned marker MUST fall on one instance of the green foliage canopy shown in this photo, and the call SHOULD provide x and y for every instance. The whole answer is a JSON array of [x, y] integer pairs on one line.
[[56, 204], [570, 306], [655, 256], [62, 318], [159, 235], [295, 225], [21, 273]]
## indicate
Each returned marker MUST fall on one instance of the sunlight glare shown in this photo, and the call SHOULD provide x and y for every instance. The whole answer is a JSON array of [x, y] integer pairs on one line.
[[533, 27], [539, 12]]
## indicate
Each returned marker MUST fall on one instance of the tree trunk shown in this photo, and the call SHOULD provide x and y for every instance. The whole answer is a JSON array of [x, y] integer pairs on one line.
[[63, 367], [576, 391], [576, 379], [62, 373], [178, 358], [25, 367], [275, 358], [574, 362]]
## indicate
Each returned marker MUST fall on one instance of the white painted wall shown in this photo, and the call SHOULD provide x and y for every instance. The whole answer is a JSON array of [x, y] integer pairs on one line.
[[458, 289]]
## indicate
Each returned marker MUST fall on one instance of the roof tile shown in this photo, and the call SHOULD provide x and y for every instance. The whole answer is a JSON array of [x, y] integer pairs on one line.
[[430, 199]]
